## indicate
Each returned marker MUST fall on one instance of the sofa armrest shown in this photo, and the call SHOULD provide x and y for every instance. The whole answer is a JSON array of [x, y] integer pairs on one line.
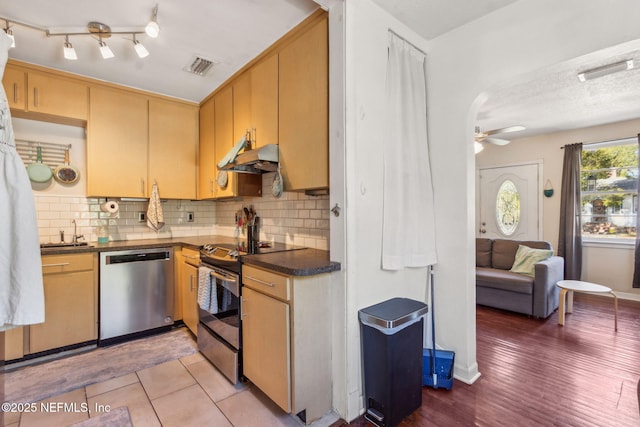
[[545, 292]]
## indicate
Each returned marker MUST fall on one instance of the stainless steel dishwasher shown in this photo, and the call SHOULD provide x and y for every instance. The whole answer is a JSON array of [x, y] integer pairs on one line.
[[136, 292]]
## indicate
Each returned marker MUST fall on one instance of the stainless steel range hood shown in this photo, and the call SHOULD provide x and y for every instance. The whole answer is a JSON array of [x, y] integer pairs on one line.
[[258, 160]]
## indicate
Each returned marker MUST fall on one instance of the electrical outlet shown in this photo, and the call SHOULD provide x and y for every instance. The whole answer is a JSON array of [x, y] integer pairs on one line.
[[190, 216], [142, 217]]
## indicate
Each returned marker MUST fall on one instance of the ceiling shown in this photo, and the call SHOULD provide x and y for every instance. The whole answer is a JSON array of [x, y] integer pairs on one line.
[[232, 32], [228, 32]]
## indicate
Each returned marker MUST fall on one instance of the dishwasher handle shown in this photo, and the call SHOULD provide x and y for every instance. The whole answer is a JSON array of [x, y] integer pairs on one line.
[[138, 257]]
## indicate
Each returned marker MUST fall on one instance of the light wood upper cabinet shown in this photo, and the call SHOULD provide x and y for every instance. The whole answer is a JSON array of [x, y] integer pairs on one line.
[[117, 140], [15, 86], [304, 110], [264, 101], [223, 131], [242, 106], [173, 141], [207, 171], [71, 295], [255, 103], [59, 96], [238, 184]]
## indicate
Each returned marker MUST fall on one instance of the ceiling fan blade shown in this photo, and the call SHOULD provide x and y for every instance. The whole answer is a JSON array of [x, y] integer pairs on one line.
[[505, 130], [496, 141]]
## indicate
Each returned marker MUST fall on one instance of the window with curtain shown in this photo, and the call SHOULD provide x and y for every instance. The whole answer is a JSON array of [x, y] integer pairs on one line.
[[609, 189]]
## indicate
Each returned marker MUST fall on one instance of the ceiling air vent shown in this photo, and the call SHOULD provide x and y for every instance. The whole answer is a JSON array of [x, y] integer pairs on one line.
[[199, 66]]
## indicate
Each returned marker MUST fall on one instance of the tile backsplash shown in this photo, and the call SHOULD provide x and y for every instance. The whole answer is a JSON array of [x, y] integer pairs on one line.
[[294, 218]]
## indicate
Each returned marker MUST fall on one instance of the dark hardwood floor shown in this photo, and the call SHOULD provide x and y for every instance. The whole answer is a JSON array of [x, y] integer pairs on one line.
[[537, 373]]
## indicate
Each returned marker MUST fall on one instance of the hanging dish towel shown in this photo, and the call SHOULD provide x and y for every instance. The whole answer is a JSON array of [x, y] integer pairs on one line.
[[204, 288], [155, 217]]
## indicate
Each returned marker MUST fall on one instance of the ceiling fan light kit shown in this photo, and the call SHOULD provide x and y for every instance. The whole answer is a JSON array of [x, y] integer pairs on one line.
[[605, 70], [94, 29]]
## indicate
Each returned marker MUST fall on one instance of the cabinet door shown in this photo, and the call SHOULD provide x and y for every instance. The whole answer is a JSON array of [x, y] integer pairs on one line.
[[223, 131], [207, 171], [242, 106], [266, 345], [117, 140], [173, 141], [189, 293], [58, 96], [264, 101], [12, 343], [70, 312], [15, 86], [303, 111]]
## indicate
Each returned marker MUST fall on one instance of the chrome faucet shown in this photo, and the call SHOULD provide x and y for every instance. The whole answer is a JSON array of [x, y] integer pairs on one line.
[[76, 236]]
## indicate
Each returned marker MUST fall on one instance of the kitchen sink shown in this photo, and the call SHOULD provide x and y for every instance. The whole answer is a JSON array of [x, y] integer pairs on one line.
[[62, 245]]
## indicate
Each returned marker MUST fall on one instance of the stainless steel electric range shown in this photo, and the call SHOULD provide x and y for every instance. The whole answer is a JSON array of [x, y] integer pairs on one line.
[[219, 306]]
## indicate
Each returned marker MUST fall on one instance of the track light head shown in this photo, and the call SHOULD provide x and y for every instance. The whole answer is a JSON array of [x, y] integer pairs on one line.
[[69, 51], [139, 47], [153, 29], [105, 51], [9, 32]]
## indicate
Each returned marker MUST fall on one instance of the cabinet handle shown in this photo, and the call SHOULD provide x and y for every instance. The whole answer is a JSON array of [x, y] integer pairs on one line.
[[262, 282], [35, 96], [142, 185], [15, 93], [190, 283], [211, 186], [61, 264], [190, 256]]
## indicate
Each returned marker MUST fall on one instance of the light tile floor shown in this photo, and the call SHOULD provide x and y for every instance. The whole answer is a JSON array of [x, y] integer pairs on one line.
[[185, 392]]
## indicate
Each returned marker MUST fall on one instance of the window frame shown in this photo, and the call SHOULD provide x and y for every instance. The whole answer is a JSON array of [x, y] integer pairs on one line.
[[594, 239]]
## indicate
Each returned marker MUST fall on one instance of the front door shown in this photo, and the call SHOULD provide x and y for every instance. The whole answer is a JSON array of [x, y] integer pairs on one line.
[[509, 201]]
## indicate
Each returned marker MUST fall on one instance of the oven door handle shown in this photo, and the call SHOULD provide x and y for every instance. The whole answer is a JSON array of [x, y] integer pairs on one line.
[[221, 277]]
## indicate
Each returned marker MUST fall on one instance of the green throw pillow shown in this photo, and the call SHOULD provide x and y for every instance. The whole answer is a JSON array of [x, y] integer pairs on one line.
[[526, 259]]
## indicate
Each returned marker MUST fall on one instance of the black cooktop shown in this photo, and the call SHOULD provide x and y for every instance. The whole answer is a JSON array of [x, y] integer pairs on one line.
[[228, 257]]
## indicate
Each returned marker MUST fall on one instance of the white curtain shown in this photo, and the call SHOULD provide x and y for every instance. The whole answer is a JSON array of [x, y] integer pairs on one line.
[[408, 235]]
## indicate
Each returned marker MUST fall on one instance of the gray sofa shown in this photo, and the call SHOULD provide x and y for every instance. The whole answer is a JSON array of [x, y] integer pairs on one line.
[[498, 287]]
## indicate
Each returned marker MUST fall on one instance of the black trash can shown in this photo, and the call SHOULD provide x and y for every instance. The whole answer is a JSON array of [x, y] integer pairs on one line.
[[392, 359]]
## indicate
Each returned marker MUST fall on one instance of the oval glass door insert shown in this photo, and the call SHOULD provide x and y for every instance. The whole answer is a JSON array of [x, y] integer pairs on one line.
[[508, 208]]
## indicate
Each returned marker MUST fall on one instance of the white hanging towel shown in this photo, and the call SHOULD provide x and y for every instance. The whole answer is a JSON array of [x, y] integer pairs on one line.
[[155, 216], [408, 234], [21, 288]]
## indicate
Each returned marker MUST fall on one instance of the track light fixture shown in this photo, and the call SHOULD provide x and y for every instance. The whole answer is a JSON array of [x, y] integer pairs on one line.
[[69, 51], [95, 29]]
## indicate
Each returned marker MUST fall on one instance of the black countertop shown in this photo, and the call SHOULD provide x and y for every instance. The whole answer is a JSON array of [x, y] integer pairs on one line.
[[298, 262]]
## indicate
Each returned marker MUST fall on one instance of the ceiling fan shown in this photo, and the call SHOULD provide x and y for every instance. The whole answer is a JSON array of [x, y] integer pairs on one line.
[[482, 137]]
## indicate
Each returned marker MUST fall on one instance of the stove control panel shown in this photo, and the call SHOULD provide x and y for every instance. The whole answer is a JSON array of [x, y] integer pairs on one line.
[[221, 253]]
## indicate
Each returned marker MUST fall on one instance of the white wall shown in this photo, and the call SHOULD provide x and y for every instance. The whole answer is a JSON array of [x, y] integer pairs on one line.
[[510, 43], [610, 265]]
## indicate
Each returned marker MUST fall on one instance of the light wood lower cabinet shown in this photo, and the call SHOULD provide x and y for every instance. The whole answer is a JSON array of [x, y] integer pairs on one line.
[[70, 293], [286, 327], [12, 343], [189, 289]]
